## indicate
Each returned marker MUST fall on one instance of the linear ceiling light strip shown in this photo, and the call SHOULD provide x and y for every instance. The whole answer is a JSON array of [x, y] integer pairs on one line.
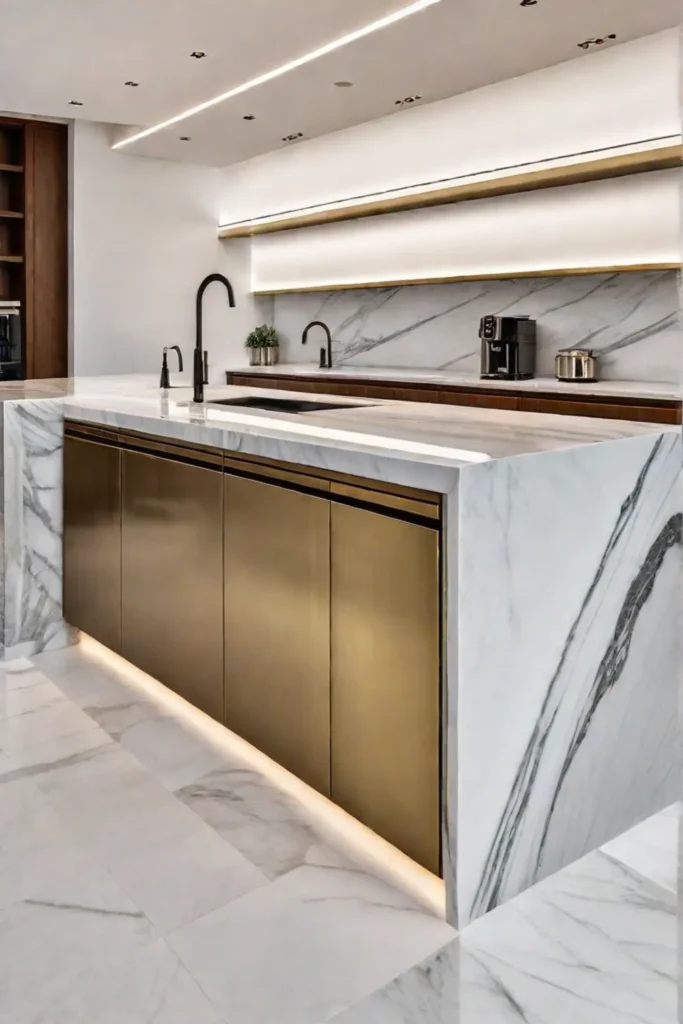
[[284, 69]]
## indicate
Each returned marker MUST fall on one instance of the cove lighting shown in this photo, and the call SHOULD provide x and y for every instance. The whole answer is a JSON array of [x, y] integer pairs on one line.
[[292, 65], [364, 848]]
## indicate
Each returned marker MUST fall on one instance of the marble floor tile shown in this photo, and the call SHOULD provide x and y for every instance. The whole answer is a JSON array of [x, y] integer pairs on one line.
[[595, 944], [267, 825], [173, 865], [35, 714], [46, 944], [55, 762], [148, 987], [171, 749], [305, 946], [651, 848]]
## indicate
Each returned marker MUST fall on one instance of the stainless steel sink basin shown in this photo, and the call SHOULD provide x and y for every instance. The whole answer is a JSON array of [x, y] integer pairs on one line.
[[295, 405]]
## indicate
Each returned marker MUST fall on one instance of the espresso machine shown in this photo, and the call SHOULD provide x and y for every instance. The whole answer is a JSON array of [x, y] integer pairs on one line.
[[508, 347]]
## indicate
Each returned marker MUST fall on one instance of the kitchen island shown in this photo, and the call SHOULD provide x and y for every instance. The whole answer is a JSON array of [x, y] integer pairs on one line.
[[559, 544]]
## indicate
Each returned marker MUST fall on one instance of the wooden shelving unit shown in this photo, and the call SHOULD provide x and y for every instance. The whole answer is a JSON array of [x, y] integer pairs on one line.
[[33, 240]]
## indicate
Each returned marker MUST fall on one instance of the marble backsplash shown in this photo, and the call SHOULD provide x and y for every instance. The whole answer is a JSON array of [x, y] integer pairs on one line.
[[630, 319]]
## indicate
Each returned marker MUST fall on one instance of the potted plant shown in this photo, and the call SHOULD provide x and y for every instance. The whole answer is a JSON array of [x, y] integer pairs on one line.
[[263, 345]]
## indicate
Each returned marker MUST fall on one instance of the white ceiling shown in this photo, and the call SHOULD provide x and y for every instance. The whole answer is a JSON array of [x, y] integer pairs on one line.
[[53, 51]]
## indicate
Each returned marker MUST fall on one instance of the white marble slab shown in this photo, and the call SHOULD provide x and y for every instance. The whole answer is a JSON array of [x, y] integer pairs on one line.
[[629, 319], [651, 848], [595, 943], [569, 658], [311, 943], [647, 389]]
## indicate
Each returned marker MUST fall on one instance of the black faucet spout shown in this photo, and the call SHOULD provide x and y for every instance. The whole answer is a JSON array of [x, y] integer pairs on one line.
[[198, 374], [324, 364]]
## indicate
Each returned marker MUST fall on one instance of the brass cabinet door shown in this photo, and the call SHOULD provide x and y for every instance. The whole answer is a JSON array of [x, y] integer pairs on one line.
[[172, 576], [385, 679], [277, 620], [92, 539]]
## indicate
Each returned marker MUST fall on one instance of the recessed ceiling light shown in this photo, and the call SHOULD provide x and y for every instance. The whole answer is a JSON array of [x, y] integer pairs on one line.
[[407, 100], [343, 85], [322, 51], [600, 41], [75, 103], [185, 138], [133, 85], [249, 117], [198, 54], [293, 137]]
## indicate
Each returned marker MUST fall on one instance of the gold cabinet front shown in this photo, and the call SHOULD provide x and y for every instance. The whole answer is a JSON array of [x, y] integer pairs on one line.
[[92, 539], [172, 593], [277, 624], [385, 677]]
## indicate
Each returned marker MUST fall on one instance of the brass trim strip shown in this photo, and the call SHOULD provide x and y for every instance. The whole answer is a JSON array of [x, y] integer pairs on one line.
[[85, 432], [662, 158], [266, 473], [424, 509], [149, 445], [492, 276]]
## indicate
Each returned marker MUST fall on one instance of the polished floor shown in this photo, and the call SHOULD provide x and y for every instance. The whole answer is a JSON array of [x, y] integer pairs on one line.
[[155, 870]]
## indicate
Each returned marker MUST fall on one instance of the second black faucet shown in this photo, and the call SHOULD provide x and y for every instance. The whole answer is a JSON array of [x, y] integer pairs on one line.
[[325, 363]]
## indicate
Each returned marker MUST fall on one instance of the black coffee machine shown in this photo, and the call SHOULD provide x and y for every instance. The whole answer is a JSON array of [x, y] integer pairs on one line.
[[508, 347]]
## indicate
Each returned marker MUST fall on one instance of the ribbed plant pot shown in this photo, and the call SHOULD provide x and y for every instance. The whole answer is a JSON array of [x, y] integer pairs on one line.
[[256, 356], [270, 355]]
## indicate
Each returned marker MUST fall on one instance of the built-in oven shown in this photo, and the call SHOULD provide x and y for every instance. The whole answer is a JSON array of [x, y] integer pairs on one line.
[[11, 363]]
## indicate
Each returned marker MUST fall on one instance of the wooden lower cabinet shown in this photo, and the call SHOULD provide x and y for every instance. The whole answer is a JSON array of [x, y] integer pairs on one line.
[[385, 677], [172, 575], [92, 539], [277, 624]]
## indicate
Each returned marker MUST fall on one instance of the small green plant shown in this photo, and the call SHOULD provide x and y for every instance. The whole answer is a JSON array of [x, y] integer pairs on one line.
[[262, 337]]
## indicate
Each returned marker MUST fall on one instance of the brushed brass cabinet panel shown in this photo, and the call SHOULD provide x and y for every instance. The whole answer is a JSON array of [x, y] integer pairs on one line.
[[277, 615], [172, 576], [92, 539], [385, 678]]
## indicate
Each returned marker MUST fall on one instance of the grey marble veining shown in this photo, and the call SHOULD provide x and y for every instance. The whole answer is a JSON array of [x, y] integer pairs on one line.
[[562, 562], [630, 319], [569, 658], [595, 943]]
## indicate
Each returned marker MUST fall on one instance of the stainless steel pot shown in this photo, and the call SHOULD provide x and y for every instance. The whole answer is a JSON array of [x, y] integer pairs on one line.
[[576, 365], [271, 355], [256, 356]]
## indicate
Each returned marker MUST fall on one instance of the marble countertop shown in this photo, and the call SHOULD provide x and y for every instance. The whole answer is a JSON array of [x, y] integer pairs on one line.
[[605, 388], [442, 435]]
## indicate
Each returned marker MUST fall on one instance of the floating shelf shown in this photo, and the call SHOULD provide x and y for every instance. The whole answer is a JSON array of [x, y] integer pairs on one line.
[[11, 259], [14, 168], [492, 276], [575, 173], [11, 213]]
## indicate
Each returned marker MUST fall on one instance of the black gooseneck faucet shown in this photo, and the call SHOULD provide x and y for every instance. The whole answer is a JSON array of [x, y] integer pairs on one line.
[[304, 338], [200, 362]]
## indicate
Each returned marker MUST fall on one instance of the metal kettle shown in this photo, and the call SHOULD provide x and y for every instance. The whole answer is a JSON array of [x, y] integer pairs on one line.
[[576, 365]]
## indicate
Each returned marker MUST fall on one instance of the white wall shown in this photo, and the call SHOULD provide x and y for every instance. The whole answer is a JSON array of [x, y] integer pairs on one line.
[[613, 98], [144, 235], [617, 222]]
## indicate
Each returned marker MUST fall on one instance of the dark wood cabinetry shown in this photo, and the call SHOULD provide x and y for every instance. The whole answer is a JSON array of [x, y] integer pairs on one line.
[[515, 398], [34, 243]]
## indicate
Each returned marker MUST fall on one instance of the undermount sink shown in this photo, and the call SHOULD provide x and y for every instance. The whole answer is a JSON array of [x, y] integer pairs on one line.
[[295, 405]]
